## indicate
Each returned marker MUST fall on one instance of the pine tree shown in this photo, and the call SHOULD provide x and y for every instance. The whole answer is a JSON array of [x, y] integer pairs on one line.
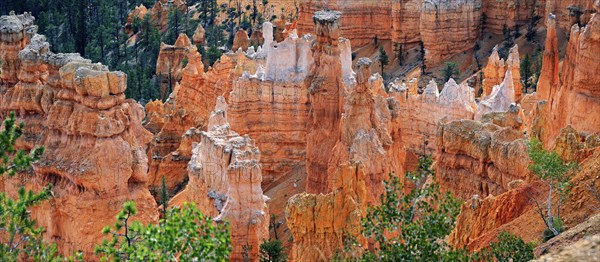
[[526, 72], [383, 58]]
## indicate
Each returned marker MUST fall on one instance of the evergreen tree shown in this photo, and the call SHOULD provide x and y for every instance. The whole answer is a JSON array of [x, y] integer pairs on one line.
[[22, 238], [272, 251], [450, 70], [383, 58], [187, 235], [526, 72], [552, 170]]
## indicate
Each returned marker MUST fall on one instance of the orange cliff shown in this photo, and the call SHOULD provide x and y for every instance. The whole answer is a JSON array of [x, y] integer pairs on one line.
[[326, 89], [78, 112], [449, 27], [225, 182], [574, 99], [170, 63], [422, 112]]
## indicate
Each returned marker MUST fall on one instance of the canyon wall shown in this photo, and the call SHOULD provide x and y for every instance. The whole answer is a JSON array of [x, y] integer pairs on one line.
[[574, 100], [326, 90], [449, 27], [422, 112], [225, 182], [93, 138], [362, 21], [170, 63], [480, 158]]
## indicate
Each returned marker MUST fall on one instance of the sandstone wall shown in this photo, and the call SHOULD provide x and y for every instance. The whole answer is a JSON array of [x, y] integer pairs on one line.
[[320, 223], [475, 158], [78, 112], [225, 182], [575, 101], [422, 112], [449, 27], [362, 21]]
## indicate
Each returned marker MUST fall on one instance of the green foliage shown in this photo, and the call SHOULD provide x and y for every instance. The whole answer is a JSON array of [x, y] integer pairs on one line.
[[507, 248], [383, 58], [213, 54], [526, 72], [272, 251], [549, 167], [450, 70], [184, 234], [412, 226], [22, 238]]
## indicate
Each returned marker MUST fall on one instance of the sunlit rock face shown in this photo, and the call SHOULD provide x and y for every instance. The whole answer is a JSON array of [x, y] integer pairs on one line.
[[566, 12], [448, 27], [479, 158], [495, 72], [93, 138], [573, 100], [362, 20], [170, 63], [509, 13], [225, 182], [321, 222], [422, 113], [326, 89]]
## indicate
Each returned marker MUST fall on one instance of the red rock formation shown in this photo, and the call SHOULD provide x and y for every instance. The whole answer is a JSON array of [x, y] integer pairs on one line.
[[16, 33], [225, 182], [448, 27], [576, 100], [198, 37], [188, 106], [362, 22], [320, 223], [160, 11], [138, 13], [495, 71], [479, 158], [78, 112], [423, 112], [548, 81], [241, 40], [566, 11], [510, 13], [479, 216], [480, 222], [500, 99], [326, 98], [406, 20], [170, 63]]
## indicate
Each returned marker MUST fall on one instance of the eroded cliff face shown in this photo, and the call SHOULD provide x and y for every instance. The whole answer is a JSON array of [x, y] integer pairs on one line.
[[319, 223], [576, 100], [422, 112], [475, 158], [569, 12], [449, 27], [481, 220], [78, 112], [225, 182], [170, 63], [362, 22], [496, 69], [326, 89], [510, 13]]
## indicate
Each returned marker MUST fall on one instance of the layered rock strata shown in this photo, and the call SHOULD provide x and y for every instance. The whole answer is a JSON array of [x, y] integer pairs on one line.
[[78, 112], [170, 63], [321, 223], [326, 89], [449, 27], [475, 158], [225, 182], [425, 110], [575, 100]]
